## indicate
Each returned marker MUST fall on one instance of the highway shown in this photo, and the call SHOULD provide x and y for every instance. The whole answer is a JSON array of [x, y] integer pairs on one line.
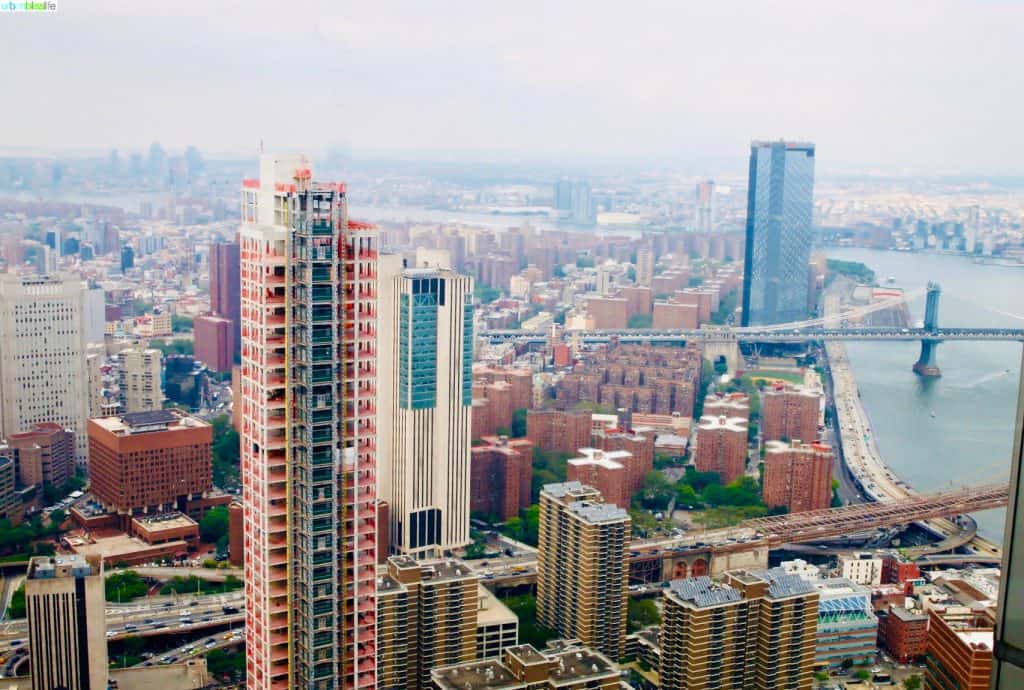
[[201, 647], [864, 461]]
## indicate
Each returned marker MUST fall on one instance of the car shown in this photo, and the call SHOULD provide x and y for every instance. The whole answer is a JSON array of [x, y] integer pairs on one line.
[[111, 633], [210, 643]]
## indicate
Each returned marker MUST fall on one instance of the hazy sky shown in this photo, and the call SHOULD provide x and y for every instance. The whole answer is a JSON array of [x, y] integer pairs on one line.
[[928, 85]]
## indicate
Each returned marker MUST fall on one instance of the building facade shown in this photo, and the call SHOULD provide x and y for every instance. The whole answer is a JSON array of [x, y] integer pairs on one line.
[[560, 431], [44, 454], [500, 476], [581, 566], [43, 356], [722, 447], [797, 476], [308, 436], [66, 611], [225, 293], [139, 379], [780, 205], [425, 389], [150, 462], [790, 413], [214, 341]]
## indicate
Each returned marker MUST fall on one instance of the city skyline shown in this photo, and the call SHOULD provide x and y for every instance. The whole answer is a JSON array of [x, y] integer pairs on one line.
[[690, 96]]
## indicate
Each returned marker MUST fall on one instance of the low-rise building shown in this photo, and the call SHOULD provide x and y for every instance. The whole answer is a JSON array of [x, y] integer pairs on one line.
[[569, 667], [861, 567], [903, 633]]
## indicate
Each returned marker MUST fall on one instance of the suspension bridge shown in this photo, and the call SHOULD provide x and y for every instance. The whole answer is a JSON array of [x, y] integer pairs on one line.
[[842, 327]]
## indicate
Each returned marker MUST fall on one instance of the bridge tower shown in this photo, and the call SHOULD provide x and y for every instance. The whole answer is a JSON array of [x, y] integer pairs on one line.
[[925, 365]]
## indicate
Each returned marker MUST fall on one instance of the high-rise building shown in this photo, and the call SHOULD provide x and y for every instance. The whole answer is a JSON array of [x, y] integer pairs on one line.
[[500, 476], [581, 566], [42, 356], [309, 320], [560, 431], [705, 203], [66, 611], [427, 618], [214, 341], [1008, 664], [797, 475], [959, 655], [44, 454], [644, 265], [790, 413], [755, 630], [425, 391], [722, 447], [780, 205], [139, 378], [225, 296], [127, 258], [150, 462]]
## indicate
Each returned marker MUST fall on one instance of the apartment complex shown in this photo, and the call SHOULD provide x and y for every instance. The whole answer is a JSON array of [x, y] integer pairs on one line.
[[581, 566], [42, 355], [139, 378], [561, 431], [427, 618], [308, 436], [797, 475], [150, 462], [959, 653], [66, 611], [425, 392], [790, 413], [755, 630], [500, 476], [722, 447]]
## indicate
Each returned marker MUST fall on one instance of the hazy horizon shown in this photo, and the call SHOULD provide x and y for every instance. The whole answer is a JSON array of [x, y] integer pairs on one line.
[[909, 87]]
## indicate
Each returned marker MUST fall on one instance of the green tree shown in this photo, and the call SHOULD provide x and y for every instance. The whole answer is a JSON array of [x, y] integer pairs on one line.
[[225, 452], [862, 674], [214, 524], [656, 492], [640, 321], [17, 607], [181, 324], [124, 586], [519, 423], [642, 613], [530, 632], [912, 682], [485, 294], [821, 676]]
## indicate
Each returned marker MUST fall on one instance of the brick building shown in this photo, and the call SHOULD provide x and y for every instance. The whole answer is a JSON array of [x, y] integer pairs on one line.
[[673, 315], [727, 404], [797, 475], [44, 454], [492, 408], [641, 453], [896, 569], [500, 475], [722, 447], [903, 634], [149, 462], [790, 413], [214, 340], [560, 431], [959, 655], [520, 380], [639, 299], [608, 312], [608, 472]]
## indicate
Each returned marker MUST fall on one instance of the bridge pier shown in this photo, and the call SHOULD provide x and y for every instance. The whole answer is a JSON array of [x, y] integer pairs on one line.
[[726, 349], [926, 364]]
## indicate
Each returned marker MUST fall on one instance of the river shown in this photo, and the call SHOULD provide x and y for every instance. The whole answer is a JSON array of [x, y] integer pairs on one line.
[[958, 429]]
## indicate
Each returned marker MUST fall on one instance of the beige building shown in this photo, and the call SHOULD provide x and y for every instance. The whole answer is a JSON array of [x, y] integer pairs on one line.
[[496, 626], [582, 573], [425, 350], [568, 666], [139, 378], [42, 355], [67, 626], [755, 630], [426, 618]]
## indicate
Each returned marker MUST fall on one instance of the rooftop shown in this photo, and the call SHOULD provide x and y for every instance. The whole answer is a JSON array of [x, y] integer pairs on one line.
[[131, 423], [598, 512], [714, 423], [489, 673], [704, 592]]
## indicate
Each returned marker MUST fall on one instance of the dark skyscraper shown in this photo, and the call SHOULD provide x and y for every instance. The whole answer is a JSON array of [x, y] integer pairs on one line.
[[225, 293], [127, 258], [780, 201]]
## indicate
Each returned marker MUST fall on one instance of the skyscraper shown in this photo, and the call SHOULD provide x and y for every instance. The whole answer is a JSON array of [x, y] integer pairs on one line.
[[581, 566], [1008, 664], [705, 202], [42, 356], [139, 379], [309, 316], [780, 205], [66, 613], [425, 390], [225, 298]]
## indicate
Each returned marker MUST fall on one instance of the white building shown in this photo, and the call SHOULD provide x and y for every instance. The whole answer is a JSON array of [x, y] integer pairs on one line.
[[862, 568], [425, 397], [139, 379], [42, 356]]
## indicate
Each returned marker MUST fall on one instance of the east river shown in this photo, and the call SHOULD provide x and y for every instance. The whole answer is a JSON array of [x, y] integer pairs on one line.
[[955, 430]]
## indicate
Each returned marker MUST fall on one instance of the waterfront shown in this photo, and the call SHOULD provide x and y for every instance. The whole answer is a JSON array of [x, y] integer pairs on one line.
[[956, 430]]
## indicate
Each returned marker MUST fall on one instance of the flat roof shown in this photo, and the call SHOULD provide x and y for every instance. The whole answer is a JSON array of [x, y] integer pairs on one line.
[[598, 512], [131, 423], [581, 664], [491, 610], [489, 673], [165, 521]]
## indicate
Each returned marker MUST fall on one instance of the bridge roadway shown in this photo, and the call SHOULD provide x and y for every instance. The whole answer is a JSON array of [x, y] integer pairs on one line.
[[765, 335]]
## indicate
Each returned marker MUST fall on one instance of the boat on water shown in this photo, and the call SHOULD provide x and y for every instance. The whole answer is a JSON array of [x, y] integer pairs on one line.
[[933, 414], [891, 279]]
